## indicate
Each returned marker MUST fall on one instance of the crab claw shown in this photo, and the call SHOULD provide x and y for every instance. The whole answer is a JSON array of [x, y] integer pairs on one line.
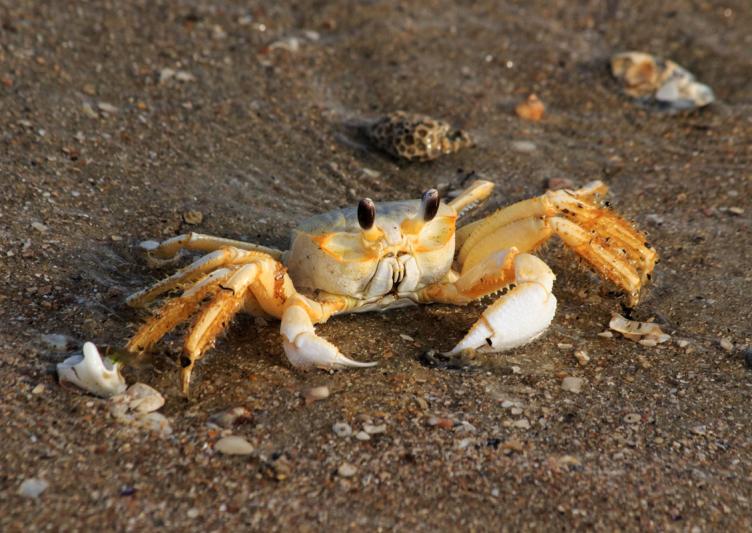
[[91, 373], [305, 349], [520, 315]]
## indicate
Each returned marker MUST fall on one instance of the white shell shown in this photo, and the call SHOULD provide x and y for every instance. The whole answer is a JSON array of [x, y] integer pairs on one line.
[[91, 373]]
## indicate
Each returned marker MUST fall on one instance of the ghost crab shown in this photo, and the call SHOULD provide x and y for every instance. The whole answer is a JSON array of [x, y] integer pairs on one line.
[[351, 260]]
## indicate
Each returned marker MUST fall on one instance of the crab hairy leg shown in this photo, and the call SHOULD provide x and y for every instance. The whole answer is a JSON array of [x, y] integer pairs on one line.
[[175, 311], [198, 242], [219, 258], [516, 317], [611, 245], [264, 280], [305, 349]]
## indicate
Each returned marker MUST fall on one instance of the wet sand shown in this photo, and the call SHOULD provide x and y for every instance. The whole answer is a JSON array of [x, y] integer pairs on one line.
[[100, 154]]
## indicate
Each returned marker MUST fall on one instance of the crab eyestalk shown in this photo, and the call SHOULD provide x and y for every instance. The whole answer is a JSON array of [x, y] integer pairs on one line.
[[429, 206], [366, 219]]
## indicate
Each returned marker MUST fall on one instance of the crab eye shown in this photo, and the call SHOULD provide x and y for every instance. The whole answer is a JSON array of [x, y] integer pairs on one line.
[[366, 213], [429, 204]]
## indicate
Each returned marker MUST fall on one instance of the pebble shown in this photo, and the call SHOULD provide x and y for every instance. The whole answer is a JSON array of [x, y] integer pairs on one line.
[[682, 343], [572, 384], [522, 423], [39, 389], [105, 107], [58, 341], [523, 146], [192, 512], [193, 217], [632, 418], [233, 445], [342, 429], [516, 410], [362, 435], [41, 228], [230, 417], [347, 470], [736, 210], [726, 344], [156, 422], [406, 337], [531, 109], [374, 430], [606, 334], [140, 398], [32, 487], [314, 394], [582, 357]]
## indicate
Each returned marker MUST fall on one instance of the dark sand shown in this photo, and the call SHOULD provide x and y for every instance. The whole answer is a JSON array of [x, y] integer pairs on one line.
[[259, 140]]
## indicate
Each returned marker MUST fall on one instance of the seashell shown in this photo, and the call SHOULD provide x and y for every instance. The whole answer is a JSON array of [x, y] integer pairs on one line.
[[416, 137], [91, 373], [646, 333], [660, 81]]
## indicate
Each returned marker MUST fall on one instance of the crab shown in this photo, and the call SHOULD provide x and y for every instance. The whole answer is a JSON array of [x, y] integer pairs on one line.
[[362, 259]]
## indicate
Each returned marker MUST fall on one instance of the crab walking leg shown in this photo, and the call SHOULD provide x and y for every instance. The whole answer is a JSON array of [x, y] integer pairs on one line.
[[198, 242], [217, 259], [520, 315], [608, 242], [175, 311], [305, 349]]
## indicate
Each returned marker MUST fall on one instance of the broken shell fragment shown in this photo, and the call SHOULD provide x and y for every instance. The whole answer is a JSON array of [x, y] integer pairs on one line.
[[659, 81], [416, 137], [91, 373], [646, 333], [531, 109]]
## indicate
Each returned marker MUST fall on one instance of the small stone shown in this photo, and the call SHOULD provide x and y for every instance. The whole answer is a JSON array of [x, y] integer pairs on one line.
[[523, 146], [166, 74], [39, 389], [582, 357], [726, 344], [531, 109], [699, 430], [88, 110], [41, 228], [141, 398], [362, 435], [406, 337], [233, 445], [32, 487], [105, 107], [230, 417], [512, 445], [682, 343], [342, 429], [193, 217], [632, 418], [192, 512], [89, 89], [572, 384], [156, 422], [347, 470], [522, 423], [374, 430], [606, 334], [58, 341], [736, 210], [422, 403], [516, 411], [185, 77], [314, 394]]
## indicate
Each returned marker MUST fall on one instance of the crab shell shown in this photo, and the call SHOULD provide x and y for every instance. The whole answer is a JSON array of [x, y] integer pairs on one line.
[[401, 253]]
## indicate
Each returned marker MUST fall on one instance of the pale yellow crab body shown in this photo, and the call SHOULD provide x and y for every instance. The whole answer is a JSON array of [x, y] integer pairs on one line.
[[368, 258], [330, 253]]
